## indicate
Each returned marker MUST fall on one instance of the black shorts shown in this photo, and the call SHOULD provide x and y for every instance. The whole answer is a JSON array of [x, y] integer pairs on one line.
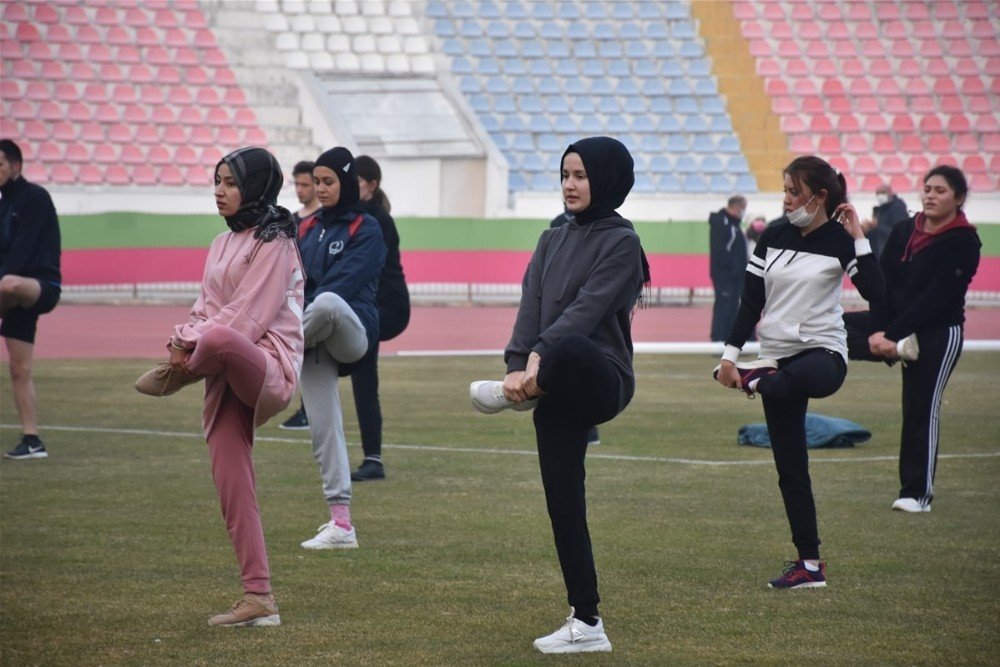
[[21, 323]]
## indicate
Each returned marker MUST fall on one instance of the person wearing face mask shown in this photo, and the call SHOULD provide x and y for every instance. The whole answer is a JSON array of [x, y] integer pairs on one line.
[[928, 263], [889, 211], [244, 339], [727, 263], [570, 359], [343, 255], [793, 286]]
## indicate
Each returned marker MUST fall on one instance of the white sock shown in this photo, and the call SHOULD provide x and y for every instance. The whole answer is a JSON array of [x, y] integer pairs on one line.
[[752, 386], [809, 566]]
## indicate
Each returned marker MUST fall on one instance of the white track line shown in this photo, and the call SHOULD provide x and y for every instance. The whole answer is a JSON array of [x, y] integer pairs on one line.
[[505, 452]]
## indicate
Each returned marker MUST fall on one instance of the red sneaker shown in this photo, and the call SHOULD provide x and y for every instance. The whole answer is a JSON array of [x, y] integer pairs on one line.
[[750, 371], [797, 576]]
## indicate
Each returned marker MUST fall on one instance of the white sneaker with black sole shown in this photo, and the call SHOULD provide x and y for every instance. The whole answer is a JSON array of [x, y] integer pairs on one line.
[[910, 505], [332, 536], [487, 397], [575, 636]]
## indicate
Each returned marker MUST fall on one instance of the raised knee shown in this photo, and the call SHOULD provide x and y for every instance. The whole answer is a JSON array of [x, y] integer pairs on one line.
[[217, 338]]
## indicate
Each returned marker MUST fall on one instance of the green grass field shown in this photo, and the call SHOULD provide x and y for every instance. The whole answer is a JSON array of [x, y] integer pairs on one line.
[[112, 551]]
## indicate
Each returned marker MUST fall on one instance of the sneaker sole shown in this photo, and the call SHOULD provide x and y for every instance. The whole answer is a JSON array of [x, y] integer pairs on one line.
[[36, 455], [922, 510], [809, 584], [330, 547], [579, 647], [294, 428], [366, 479], [262, 622]]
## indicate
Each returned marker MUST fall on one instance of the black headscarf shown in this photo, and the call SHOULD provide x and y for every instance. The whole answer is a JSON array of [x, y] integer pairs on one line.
[[611, 174], [610, 171], [259, 179], [341, 162]]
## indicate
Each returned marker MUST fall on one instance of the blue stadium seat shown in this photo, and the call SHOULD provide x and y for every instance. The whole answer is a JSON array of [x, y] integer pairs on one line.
[[643, 183], [691, 49], [584, 50], [452, 47], [461, 66], [737, 164], [661, 164], [558, 49], [702, 143], [695, 124], [514, 67], [643, 124], [600, 87], [541, 68], [479, 103], [567, 68], [595, 10], [610, 50], [504, 104], [480, 47], [496, 85], [531, 104], [541, 10], [577, 30], [550, 143], [729, 144], [745, 184], [545, 181], [497, 29], [675, 10], [532, 49], [636, 49], [505, 48], [651, 143], [649, 10], [514, 10], [516, 181], [705, 87], [720, 124], [618, 67], [711, 164], [695, 184], [556, 104], [568, 10], [669, 183], [591, 124], [627, 87], [523, 143], [633, 104], [488, 66], [669, 123], [631, 142], [721, 184], [523, 85], [469, 85], [490, 123], [677, 143], [645, 68], [659, 104], [583, 104], [489, 10], [550, 30], [679, 87], [653, 87], [656, 30], [713, 105], [436, 9], [621, 10], [609, 105], [604, 32], [470, 28], [630, 31], [696, 67], [444, 28], [665, 51], [533, 163], [686, 164], [524, 30], [686, 105], [540, 124], [616, 124], [500, 139], [462, 9], [592, 67], [682, 29]]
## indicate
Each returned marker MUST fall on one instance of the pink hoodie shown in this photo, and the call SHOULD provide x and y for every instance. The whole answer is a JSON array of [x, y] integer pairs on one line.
[[256, 289]]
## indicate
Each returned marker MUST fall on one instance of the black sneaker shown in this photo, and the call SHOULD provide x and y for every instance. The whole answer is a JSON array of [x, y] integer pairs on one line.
[[30, 447], [368, 470], [297, 422]]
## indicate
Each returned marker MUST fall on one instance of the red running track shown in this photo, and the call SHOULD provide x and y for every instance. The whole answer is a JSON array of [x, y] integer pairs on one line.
[[87, 332]]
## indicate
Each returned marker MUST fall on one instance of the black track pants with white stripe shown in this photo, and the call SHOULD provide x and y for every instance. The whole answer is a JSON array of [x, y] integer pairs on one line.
[[924, 381]]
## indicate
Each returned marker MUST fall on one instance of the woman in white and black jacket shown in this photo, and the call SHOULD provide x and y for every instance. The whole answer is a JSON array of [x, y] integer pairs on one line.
[[792, 288], [928, 263]]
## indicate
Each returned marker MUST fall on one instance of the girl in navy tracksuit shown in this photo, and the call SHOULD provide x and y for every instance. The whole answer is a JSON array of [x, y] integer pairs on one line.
[[928, 263], [792, 288]]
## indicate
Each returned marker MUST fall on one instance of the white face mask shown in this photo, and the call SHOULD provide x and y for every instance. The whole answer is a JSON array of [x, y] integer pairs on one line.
[[800, 217], [882, 199]]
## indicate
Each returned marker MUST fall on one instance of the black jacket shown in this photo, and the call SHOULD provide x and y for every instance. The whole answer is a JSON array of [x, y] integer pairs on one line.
[[927, 291], [582, 279], [887, 216], [393, 295], [29, 232], [727, 248]]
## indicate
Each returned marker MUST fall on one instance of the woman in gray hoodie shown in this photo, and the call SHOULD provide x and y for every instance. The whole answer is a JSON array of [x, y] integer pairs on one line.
[[570, 358]]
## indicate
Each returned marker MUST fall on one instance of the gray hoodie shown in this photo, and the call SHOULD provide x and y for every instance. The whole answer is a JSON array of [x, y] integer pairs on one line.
[[582, 279]]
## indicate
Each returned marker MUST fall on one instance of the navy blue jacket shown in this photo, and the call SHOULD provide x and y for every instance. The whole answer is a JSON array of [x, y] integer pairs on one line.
[[349, 266], [29, 232]]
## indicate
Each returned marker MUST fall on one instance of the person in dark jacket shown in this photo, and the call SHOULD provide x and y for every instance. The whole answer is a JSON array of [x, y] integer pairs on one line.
[[928, 263], [394, 315], [727, 263], [30, 284], [889, 211], [570, 358], [343, 256]]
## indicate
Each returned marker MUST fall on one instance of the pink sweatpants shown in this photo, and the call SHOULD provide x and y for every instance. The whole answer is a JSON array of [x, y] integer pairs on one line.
[[225, 353]]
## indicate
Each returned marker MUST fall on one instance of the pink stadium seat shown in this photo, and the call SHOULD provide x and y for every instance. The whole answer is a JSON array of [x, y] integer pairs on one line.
[[175, 37], [776, 87], [892, 164], [959, 123], [945, 86], [866, 105], [40, 51], [190, 115], [88, 34], [77, 152], [234, 96], [124, 93], [225, 77], [92, 132], [179, 96], [10, 50], [874, 122], [147, 134], [136, 17], [157, 55], [192, 17], [966, 67], [228, 137], [902, 48], [174, 135], [120, 133], [107, 113], [752, 30], [105, 154], [894, 104], [974, 164], [140, 74], [201, 135], [66, 91], [937, 143], [185, 156], [947, 159], [35, 130], [196, 76], [111, 72], [50, 111], [146, 36], [838, 32], [910, 144], [79, 113], [116, 174], [848, 123], [214, 58], [989, 48], [987, 123], [11, 89], [58, 34], [168, 74], [22, 110], [245, 118], [930, 48], [135, 113], [976, 10], [839, 104], [796, 68], [254, 136], [152, 95], [70, 52], [820, 124], [159, 155], [828, 144], [773, 12], [132, 154], [99, 53], [853, 68], [38, 91], [923, 29], [910, 67], [855, 144], [90, 174], [767, 67], [965, 143], [165, 19], [27, 32], [931, 123], [783, 104], [801, 144], [918, 164], [744, 10], [895, 30], [204, 39], [76, 15], [801, 12], [198, 176], [144, 175], [164, 114], [78, 72], [186, 56], [982, 183], [824, 67], [952, 30], [870, 182], [883, 143], [780, 31], [218, 117], [107, 16], [170, 175], [921, 104], [118, 36], [901, 182], [15, 13], [64, 132], [759, 48], [951, 104], [210, 155], [128, 55], [62, 174]]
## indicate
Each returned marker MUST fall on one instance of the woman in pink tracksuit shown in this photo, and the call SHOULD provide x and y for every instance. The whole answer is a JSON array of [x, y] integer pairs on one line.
[[245, 339]]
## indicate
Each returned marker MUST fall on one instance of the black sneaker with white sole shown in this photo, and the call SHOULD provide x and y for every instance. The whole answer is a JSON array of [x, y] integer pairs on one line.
[[370, 469], [297, 422], [30, 447]]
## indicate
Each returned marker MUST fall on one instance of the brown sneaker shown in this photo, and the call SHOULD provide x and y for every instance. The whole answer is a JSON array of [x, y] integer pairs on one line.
[[252, 611], [163, 380]]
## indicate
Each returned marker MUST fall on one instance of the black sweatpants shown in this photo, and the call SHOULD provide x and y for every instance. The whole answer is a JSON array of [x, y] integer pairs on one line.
[[582, 388], [924, 381], [815, 373], [364, 381]]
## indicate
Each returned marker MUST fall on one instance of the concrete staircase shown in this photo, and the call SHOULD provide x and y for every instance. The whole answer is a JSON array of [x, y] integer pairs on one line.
[[270, 86]]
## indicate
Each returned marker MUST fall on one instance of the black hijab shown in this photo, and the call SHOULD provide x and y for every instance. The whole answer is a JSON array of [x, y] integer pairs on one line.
[[341, 162], [610, 171], [259, 179]]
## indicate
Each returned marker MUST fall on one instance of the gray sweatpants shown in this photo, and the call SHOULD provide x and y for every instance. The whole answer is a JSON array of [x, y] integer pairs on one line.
[[333, 335]]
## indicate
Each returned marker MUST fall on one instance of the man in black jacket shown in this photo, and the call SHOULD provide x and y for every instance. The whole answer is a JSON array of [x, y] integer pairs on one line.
[[29, 284], [888, 212], [727, 263]]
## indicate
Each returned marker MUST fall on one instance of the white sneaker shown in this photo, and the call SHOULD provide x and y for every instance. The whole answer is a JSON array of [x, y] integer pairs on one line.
[[908, 349], [332, 536], [575, 636], [487, 397], [910, 505]]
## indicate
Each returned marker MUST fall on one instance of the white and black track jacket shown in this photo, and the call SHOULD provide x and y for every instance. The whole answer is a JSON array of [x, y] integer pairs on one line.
[[793, 287]]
